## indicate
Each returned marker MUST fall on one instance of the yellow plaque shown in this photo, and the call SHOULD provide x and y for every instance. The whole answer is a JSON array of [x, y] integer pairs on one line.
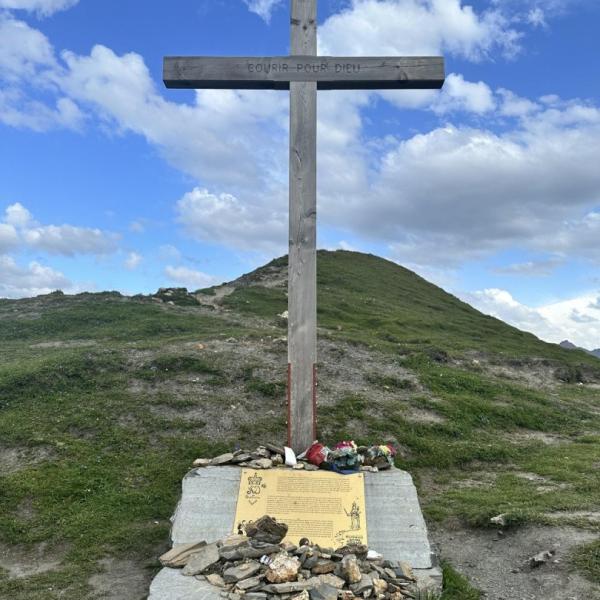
[[326, 508]]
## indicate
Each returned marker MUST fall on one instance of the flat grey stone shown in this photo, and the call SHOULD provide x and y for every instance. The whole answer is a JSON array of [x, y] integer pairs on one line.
[[324, 592], [206, 510], [240, 572], [201, 560], [172, 584], [395, 524]]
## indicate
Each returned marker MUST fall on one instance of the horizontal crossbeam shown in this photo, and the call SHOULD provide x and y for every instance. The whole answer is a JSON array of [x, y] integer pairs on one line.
[[329, 72]]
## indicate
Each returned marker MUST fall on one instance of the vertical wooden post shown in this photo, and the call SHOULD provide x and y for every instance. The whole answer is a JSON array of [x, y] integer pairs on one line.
[[302, 286]]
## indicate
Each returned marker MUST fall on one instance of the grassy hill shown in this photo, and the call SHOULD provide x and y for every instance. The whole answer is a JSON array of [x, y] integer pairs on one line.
[[106, 400]]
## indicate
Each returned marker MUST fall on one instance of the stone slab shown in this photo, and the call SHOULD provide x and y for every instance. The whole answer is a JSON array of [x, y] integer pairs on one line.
[[206, 511], [395, 524], [171, 584]]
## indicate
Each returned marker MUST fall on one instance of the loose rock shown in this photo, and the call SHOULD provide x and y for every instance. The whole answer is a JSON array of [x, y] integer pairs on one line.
[[324, 592], [248, 584], [215, 579], [349, 569], [179, 555], [363, 586], [323, 566], [243, 571], [223, 459], [267, 529], [202, 560], [539, 559], [332, 580], [283, 568], [260, 463], [499, 520]]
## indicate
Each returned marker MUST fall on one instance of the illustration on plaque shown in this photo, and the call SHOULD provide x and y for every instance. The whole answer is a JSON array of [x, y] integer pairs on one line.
[[354, 515], [255, 487]]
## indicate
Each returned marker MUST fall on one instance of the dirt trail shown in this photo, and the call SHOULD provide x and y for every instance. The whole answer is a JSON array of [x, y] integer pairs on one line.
[[497, 564]]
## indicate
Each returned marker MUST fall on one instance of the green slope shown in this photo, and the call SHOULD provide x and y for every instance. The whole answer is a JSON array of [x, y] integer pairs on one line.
[[105, 401], [371, 300]]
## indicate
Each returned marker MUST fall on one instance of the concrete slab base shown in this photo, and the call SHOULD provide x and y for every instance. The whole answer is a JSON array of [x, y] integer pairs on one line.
[[395, 525]]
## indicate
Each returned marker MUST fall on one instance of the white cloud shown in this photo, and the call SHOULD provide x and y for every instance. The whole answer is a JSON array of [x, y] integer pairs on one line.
[[571, 319], [190, 278], [19, 227], [536, 17], [426, 27], [69, 241], [458, 192], [436, 198], [41, 7], [24, 51], [223, 127], [133, 261], [223, 218], [512, 105], [35, 279], [17, 215], [263, 8], [459, 94], [21, 112], [27, 56]]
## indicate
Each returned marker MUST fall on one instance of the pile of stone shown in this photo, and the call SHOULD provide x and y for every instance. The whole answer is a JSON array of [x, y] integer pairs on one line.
[[260, 566], [264, 457], [346, 457]]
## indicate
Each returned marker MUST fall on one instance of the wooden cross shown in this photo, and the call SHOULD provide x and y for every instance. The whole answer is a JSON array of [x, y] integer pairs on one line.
[[303, 73]]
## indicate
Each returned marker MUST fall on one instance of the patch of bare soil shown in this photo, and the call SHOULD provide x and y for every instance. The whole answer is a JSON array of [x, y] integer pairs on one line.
[[65, 344], [420, 415], [15, 459], [224, 408], [22, 562], [549, 439], [120, 580], [498, 564], [593, 517], [215, 301]]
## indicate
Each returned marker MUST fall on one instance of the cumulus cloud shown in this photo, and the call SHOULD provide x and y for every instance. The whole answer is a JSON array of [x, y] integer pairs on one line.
[[19, 227], [457, 192], [24, 51], [32, 280], [223, 218], [571, 319], [69, 241], [190, 278], [409, 27], [459, 94], [226, 136], [17, 215], [26, 55], [41, 7], [263, 8], [440, 197]]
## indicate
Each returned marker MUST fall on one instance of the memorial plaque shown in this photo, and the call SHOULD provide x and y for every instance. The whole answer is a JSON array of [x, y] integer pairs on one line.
[[327, 508]]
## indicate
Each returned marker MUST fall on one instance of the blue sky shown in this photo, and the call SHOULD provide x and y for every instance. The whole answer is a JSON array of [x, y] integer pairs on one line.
[[490, 188]]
